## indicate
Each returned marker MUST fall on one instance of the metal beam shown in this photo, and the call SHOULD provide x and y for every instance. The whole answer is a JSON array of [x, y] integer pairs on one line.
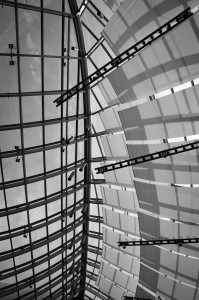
[[97, 201], [42, 122], [158, 242], [30, 94], [98, 159], [98, 181], [39, 202], [11, 55], [49, 146], [97, 219], [136, 298], [38, 177], [148, 157], [128, 54]]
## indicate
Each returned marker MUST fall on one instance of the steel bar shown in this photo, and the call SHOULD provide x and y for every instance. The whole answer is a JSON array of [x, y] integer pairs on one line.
[[136, 298], [22, 142], [49, 146], [148, 157], [87, 144], [38, 55], [39, 202], [38, 261], [43, 122], [97, 181], [41, 176], [97, 219], [128, 54], [30, 94], [125, 244]]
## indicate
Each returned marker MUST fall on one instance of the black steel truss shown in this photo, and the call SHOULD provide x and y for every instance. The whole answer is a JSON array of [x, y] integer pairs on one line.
[[148, 157], [158, 242], [128, 54]]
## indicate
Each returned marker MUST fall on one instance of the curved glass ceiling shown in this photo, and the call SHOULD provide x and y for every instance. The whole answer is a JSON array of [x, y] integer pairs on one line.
[[60, 221]]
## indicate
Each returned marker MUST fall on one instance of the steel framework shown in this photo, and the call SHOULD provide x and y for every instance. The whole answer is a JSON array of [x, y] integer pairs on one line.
[[148, 157], [128, 54]]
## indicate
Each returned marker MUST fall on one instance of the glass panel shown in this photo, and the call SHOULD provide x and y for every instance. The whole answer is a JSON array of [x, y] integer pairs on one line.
[[12, 169], [52, 5], [52, 74], [15, 196], [30, 33], [31, 107], [34, 164], [32, 137], [9, 111], [30, 74]]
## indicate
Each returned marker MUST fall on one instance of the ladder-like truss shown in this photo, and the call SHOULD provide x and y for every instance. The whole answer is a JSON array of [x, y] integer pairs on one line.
[[148, 157], [125, 244]]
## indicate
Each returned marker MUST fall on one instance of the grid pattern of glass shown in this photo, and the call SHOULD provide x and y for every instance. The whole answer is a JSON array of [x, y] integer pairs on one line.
[[59, 222]]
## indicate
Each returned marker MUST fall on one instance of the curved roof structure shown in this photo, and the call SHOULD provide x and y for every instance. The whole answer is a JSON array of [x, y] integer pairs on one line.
[[86, 84]]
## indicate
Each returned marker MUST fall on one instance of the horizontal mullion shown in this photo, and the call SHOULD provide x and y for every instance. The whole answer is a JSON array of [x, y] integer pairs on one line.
[[38, 261], [42, 123], [41, 176], [50, 146], [18, 231], [41, 201], [39, 276], [36, 8], [30, 94], [42, 242], [39, 55]]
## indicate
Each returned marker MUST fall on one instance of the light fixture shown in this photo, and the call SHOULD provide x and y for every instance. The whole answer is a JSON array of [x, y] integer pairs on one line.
[[70, 140], [83, 165], [74, 48], [71, 176]]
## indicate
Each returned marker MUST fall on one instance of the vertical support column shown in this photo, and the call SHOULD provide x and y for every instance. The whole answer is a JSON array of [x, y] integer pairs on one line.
[[87, 144]]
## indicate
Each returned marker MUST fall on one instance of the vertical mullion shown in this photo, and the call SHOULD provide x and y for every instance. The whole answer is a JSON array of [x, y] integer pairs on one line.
[[61, 128], [8, 221], [66, 160], [76, 147], [22, 137], [43, 135]]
